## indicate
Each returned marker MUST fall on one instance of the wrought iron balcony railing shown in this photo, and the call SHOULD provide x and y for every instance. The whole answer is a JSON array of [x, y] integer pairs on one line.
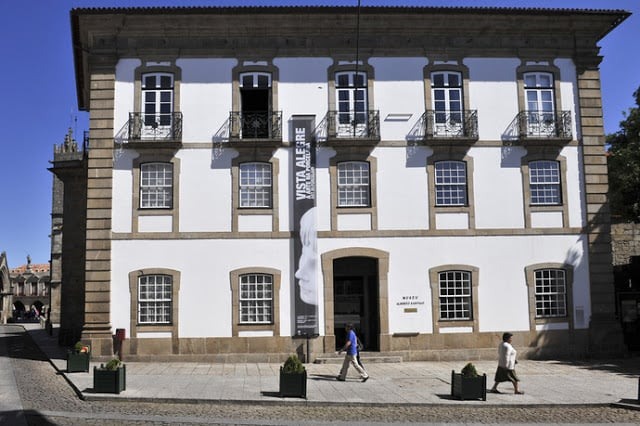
[[349, 125], [255, 125], [458, 125], [544, 125], [155, 127]]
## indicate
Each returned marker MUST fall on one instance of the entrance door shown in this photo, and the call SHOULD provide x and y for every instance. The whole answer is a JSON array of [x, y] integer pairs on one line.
[[255, 98], [356, 300]]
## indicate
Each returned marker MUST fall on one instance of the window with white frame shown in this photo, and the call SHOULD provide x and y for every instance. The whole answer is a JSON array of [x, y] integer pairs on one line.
[[154, 299], [156, 185], [255, 185], [446, 93], [157, 101], [550, 293], [451, 183], [351, 102], [256, 299], [353, 184], [544, 182], [539, 98], [455, 295]]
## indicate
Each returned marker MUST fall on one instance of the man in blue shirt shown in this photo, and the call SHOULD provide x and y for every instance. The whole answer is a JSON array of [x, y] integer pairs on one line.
[[351, 347]]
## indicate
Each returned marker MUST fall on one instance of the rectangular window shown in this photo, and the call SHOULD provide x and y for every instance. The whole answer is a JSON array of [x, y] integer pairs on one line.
[[455, 295], [256, 299], [539, 94], [451, 183], [157, 99], [154, 299], [446, 92], [352, 103], [353, 184], [551, 293], [544, 181], [156, 185], [255, 185]]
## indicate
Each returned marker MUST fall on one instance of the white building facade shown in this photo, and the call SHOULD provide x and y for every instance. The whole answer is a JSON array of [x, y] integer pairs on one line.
[[456, 166]]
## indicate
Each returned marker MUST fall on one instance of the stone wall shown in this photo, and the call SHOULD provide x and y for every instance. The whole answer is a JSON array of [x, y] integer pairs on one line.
[[625, 242]]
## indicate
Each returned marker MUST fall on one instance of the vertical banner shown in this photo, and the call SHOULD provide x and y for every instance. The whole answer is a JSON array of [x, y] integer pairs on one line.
[[305, 249]]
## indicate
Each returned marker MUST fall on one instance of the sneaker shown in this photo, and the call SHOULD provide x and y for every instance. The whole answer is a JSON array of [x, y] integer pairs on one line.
[[364, 379]]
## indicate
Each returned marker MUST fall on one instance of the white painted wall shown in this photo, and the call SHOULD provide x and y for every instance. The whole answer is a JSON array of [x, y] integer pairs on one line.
[[205, 97], [402, 188], [398, 89], [205, 191], [402, 184], [493, 91], [205, 291]]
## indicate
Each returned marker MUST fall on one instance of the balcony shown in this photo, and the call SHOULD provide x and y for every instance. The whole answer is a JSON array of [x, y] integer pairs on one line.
[[262, 128], [448, 126], [346, 128], [155, 129], [544, 126]]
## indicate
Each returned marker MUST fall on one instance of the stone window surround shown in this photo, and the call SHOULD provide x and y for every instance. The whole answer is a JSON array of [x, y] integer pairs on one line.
[[338, 67], [134, 327], [444, 154], [531, 288], [353, 155], [534, 155], [234, 280], [247, 67], [260, 156], [539, 66], [156, 157], [453, 66], [435, 297], [171, 68]]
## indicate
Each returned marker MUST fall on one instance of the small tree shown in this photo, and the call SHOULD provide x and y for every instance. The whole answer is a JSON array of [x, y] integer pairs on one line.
[[624, 166]]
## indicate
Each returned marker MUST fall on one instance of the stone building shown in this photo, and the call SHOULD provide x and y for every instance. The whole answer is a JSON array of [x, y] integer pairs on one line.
[[258, 177], [6, 292], [30, 288]]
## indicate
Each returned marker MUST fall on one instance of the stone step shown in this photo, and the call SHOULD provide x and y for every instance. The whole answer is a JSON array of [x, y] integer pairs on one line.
[[366, 358]]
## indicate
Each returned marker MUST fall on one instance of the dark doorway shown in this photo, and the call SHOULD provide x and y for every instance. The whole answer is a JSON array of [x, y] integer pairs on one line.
[[356, 300], [255, 112]]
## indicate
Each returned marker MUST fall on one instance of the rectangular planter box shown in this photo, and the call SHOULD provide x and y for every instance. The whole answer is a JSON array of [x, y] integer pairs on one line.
[[109, 381], [78, 361], [468, 387], [293, 384]]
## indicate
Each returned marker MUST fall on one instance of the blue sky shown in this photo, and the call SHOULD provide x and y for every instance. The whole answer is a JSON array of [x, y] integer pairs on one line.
[[39, 102]]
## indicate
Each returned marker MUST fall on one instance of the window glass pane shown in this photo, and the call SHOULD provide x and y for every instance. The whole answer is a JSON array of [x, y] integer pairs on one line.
[[353, 184], [455, 295], [154, 299], [437, 80], [166, 82], [550, 293], [263, 80], [544, 182], [342, 80], [247, 80], [255, 185], [156, 185], [256, 300], [451, 183], [454, 80]]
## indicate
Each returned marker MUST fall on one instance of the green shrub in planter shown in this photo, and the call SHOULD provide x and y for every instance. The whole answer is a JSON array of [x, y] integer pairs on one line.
[[468, 384], [110, 378], [293, 378], [78, 358]]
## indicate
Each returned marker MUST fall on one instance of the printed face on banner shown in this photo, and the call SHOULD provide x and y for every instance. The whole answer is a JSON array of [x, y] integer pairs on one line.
[[307, 265]]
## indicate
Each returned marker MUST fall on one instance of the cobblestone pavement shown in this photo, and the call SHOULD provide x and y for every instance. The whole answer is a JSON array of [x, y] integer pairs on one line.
[[49, 400]]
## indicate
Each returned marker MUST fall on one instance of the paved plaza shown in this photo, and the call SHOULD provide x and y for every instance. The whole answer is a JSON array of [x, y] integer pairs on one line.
[[558, 382]]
